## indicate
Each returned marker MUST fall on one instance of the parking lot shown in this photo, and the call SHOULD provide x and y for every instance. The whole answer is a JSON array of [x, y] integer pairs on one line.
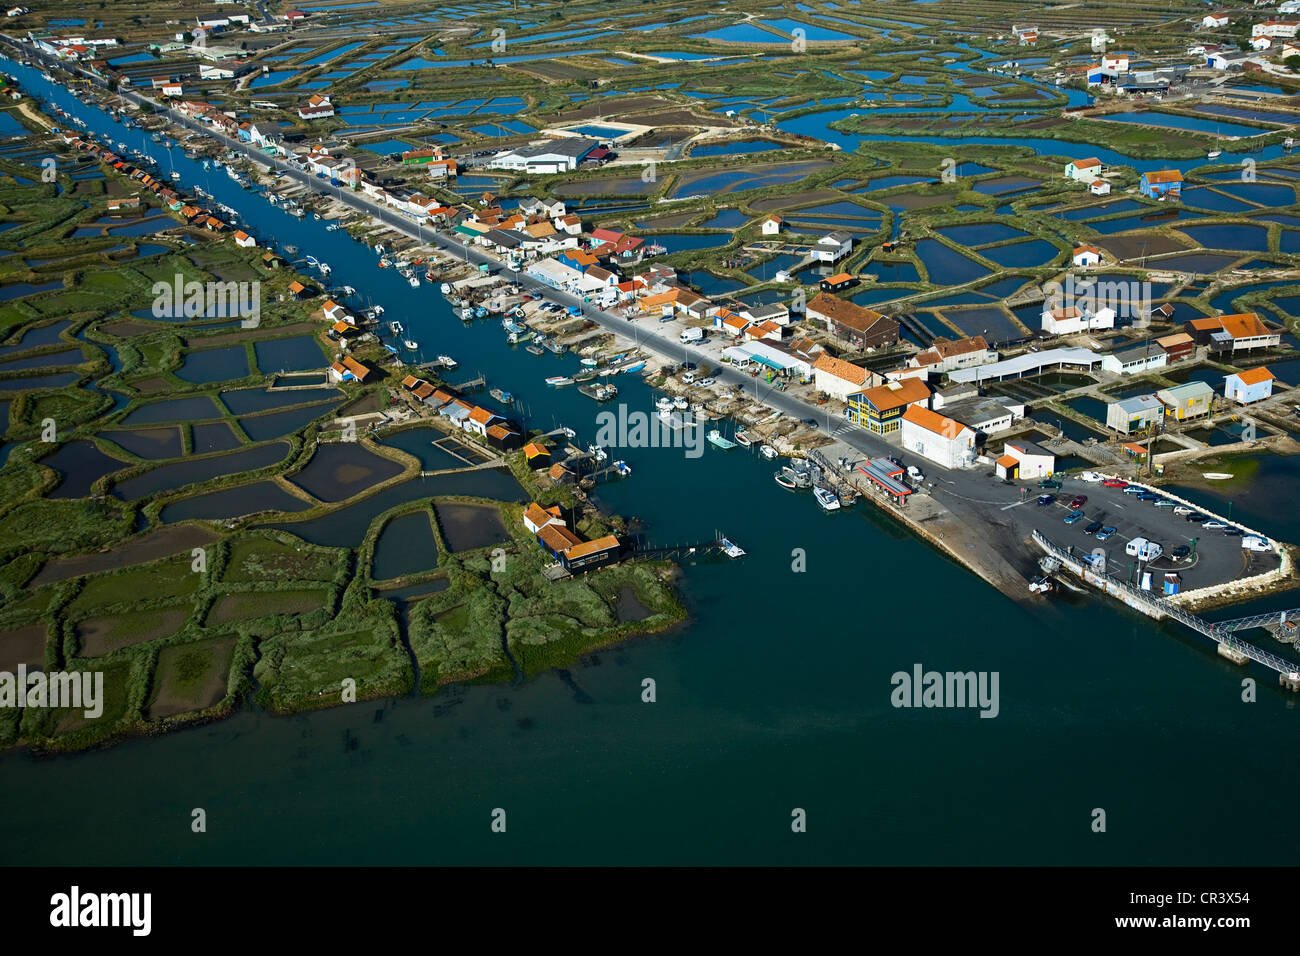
[[1214, 557]]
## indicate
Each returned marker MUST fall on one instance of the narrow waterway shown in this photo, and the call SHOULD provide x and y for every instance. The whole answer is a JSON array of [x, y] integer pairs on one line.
[[775, 695]]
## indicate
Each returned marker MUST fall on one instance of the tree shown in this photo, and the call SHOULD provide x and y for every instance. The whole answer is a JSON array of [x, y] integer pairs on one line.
[[1292, 62]]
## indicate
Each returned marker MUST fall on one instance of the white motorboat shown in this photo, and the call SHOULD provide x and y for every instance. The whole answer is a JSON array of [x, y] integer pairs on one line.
[[768, 452], [411, 344], [446, 288], [731, 549], [413, 281], [826, 498], [446, 361], [742, 438]]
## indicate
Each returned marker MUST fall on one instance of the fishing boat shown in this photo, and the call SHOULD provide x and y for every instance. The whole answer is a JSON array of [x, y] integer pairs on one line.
[[429, 276], [742, 438], [325, 269], [768, 452], [731, 549], [445, 288], [1042, 585], [826, 498], [590, 362], [446, 361], [378, 310], [514, 338], [505, 398], [680, 403], [664, 404], [413, 281], [534, 349], [717, 439], [313, 262], [599, 391], [395, 327], [622, 468], [557, 381], [597, 452], [466, 313], [411, 344], [586, 375], [633, 368], [784, 480]]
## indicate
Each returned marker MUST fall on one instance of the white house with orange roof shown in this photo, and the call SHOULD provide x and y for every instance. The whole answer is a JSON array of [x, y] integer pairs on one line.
[[772, 226], [942, 440], [244, 239], [1086, 255], [1084, 170], [840, 379], [1250, 386]]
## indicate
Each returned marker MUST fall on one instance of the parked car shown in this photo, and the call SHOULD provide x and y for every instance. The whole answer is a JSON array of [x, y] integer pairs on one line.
[[1078, 501], [1253, 542], [1089, 476], [1232, 532], [1197, 517], [1074, 517], [1093, 527], [1213, 525], [1115, 483], [1166, 503], [1133, 490], [1180, 552], [1049, 483], [1106, 532], [1150, 496], [1183, 510], [1045, 499]]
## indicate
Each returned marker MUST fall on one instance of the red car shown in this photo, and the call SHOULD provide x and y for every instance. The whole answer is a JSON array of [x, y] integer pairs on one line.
[[1078, 501], [1115, 483]]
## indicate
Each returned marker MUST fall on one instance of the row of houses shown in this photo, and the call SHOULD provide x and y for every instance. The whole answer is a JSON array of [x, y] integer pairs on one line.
[[551, 529], [497, 431]]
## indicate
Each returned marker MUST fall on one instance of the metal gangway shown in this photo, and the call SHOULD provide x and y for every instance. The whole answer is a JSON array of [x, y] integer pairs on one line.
[[1223, 633]]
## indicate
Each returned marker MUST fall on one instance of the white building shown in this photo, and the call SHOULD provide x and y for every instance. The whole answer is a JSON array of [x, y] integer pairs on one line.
[[938, 438], [840, 379], [1260, 43], [1133, 415], [1136, 360], [1275, 28], [550, 156], [832, 247], [1067, 321], [1214, 21], [1025, 460], [1085, 256], [1099, 187], [772, 226], [1084, 170]]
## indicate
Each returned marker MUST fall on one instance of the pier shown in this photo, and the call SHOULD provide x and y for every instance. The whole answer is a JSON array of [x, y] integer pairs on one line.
[[1222, 633], [678, 552]]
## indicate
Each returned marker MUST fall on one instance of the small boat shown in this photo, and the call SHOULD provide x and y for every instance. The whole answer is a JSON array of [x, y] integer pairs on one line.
[[411, 344], [586, 375], [446, 361], [826, 498], [633, 368], [768, 452], [395, 327], [716, 438], [378, 310], [664, 404], [590, 362], [623, 468], [505, 398], [597, 452], [1214, 154], [1042, 585], [445, 288], [784, 480], [742, 438], [730, 549], [325, 269], [413, 281], [1217, 475], [514, 338], [534, 349], [176, 177], [1288, 143], [556, 381], [313, 262], [429, 276], [680, 403]]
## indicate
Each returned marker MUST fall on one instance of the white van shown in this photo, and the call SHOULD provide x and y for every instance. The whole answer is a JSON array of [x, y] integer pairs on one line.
[[1143, 549], [1253, 542], [691, 335]]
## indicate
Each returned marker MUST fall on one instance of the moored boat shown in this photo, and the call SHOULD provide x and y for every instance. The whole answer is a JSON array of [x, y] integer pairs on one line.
[[742, 438], [768, 451], [556, 381], [717, 439], [826, 498]]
